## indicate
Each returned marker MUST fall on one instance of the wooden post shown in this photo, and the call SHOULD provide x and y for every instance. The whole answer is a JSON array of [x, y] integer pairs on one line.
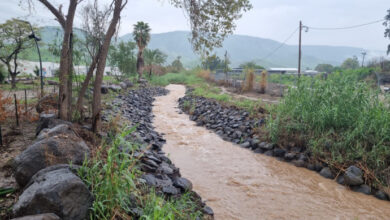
[[25, 101], [1, 137], [300, 49], [16, 111]]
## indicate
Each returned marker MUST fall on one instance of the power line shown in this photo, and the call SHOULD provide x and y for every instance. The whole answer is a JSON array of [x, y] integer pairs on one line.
[[348, 27], [281, 45]]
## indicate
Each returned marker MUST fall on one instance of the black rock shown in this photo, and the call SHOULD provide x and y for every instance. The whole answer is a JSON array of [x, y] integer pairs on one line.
[[278, 152], [258, 150], [183, 184], [59, 149], [327, 173], [353, 176], [46, 216], [208, 211], [381, 195], [362, 189], [299, 163], [269, 153], [340, 180], [170, 190], [290, 156], [55, 190], [245, 144]]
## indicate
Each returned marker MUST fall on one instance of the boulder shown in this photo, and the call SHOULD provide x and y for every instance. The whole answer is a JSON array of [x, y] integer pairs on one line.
[[183, 184], [327, 173], [55, 190], [57, 130], [362, 189], [381, 195], [104, 89], [123, 85], [47, 103], [46, 216], [49, 121], [115, 88], [353, 176], [59, 149]]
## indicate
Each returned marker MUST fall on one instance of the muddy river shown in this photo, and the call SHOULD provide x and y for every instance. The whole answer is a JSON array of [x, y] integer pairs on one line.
[[239, 184]]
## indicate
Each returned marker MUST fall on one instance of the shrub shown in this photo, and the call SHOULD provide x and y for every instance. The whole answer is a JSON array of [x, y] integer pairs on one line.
[[249, 78], [263, 82]]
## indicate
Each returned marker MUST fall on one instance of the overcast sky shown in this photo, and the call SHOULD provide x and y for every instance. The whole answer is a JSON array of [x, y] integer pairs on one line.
[[273, 19]]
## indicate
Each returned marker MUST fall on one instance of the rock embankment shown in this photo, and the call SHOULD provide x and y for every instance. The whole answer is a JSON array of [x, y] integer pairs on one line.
[[51, 187], [235, 125], [159, 172]]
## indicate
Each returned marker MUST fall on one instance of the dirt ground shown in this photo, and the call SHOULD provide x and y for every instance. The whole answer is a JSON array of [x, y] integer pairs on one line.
[[15, 140], [267, 98]]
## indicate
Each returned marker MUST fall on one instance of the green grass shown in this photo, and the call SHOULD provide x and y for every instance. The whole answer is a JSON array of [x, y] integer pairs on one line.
[[112, 176], [341, 120], [187, 78]]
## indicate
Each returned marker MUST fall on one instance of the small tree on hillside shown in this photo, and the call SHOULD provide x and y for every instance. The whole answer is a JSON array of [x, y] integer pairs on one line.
[[351, 63], [251, 65], [212, 63], [176, 65], [142, 37], [327, 68], [13, 40]]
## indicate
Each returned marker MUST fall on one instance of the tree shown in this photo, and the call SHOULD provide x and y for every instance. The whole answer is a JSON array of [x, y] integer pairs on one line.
[[123, 57], [176, 65], [226, 63], [213, 62], [102, 58], [211, 20], [142, 37], [387, 30], [154, 57], [13, 40], [251, 65], [327, 68], [95, 24], [66, 61], [350, 63]]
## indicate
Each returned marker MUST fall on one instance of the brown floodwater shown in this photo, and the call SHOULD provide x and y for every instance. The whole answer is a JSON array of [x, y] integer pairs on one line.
[[239, 184]]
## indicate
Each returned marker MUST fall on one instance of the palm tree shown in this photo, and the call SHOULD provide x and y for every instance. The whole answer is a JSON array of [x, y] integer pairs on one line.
[[141, 35]]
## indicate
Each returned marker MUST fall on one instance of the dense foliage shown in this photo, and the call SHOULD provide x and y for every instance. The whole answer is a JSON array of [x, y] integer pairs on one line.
[[340, 120]]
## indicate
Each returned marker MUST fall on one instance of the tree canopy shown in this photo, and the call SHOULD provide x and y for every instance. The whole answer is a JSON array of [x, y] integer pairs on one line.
[[123, 57], [350, 63], [14, 38], [251, 65], [323, 67], [212, 20], [213, 62]]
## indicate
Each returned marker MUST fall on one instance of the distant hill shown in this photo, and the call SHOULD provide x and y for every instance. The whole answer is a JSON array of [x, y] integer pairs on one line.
[[240, 49]]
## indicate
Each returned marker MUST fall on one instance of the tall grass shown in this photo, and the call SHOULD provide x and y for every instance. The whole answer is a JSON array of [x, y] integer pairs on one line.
[[249, 79], [111, 178], [341, 120]]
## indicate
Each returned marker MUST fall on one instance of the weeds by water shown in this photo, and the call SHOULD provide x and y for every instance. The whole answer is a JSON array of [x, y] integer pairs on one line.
[[112, 176], [341, 120]]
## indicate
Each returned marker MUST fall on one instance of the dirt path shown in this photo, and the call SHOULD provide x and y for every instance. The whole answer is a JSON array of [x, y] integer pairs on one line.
[[239, 184]]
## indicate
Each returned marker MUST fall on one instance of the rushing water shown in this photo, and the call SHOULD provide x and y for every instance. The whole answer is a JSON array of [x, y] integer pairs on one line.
[[239, 184]]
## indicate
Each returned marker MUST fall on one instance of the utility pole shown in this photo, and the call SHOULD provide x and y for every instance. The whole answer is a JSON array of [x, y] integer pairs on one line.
[[300, 49], [364, 53]]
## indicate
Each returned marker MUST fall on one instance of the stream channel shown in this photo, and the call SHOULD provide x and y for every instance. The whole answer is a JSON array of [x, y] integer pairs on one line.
[[239, 184]]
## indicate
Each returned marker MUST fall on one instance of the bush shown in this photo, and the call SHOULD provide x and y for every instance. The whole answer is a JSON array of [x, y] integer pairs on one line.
[[341, 120]]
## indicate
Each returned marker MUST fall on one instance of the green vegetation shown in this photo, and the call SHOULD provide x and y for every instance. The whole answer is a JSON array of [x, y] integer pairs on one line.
[[112, 176], [341, 120]]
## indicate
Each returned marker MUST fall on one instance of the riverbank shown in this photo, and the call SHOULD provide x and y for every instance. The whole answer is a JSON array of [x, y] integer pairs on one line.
[[235, 125]]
